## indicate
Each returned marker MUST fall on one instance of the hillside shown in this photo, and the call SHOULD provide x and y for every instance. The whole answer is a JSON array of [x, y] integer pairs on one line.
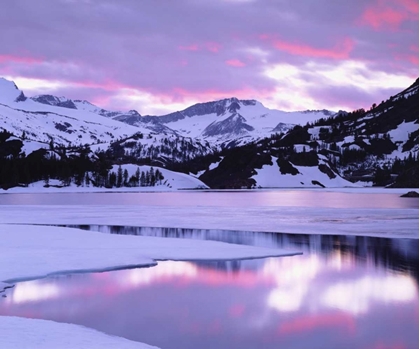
[[229, 143], [225, 122], [28, 119], [231, 121], [379, 146]]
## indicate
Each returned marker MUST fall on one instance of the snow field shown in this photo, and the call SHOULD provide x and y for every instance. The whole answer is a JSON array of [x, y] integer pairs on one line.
[[35, 251], [270, 177], [19, 333]]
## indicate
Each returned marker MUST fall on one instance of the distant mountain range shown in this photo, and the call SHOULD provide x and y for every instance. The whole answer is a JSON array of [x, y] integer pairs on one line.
[[218, 122], [229, 143]]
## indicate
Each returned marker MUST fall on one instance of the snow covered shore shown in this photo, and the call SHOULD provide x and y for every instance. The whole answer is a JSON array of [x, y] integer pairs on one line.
[[18, 333], [29, 251], [32, 252]]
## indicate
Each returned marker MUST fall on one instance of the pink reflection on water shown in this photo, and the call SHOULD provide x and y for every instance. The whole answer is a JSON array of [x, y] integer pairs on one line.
[[339, 320], [288, 301], [236, 310]]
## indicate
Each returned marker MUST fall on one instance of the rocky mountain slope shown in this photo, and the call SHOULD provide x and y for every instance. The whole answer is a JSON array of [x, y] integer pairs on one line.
[[59, 121], [225, 122], [379, 146], [230, 121], [229, 143]]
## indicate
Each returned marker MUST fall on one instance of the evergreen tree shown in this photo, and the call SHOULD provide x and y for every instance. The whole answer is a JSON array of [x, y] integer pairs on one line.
[[125, 178], [137, 176], [112, 181], [119, 177], [142, 179], [147, 180], [152, 177], [159, 176]]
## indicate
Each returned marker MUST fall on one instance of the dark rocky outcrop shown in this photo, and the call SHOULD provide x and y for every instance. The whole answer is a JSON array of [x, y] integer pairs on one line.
[[410, 194], [233, 125]]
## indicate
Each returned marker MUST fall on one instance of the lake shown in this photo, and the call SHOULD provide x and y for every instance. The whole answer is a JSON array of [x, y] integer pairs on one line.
[[248, 198], [342, 292]]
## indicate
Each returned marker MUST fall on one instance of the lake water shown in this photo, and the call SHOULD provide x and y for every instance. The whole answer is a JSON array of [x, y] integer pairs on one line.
[[251, 198], [343, 292]]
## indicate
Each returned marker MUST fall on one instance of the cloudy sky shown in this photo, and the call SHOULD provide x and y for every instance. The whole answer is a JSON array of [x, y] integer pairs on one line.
[[158, 56]]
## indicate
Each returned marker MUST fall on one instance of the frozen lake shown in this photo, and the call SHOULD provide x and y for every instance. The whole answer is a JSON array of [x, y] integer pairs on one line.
[[321, 198], [343, 292]]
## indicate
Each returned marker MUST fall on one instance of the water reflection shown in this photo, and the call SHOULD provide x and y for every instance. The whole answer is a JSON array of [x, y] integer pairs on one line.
[[390, 253], [343, 292]]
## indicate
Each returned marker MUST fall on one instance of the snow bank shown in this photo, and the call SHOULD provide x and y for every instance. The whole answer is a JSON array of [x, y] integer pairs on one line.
[[28, 252], [402, 132], [18, 333], [269, 176], [172, 181], [8, 91], [36, 251]]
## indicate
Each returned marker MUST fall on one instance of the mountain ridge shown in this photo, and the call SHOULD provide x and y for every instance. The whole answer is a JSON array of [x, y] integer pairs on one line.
[[229, 143], [205, 121]]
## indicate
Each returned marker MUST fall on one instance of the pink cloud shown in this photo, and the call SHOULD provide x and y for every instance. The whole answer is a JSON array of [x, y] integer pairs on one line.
[[108, 85], [414, 59], [193, 47], [179, 94], [18, 59], [214, 327], [208, 46], [410, 5], [382, 345], [385, 18], [339, 51], [213, 46], [235, 63], [264, 36], [389, 15], [223, 34]]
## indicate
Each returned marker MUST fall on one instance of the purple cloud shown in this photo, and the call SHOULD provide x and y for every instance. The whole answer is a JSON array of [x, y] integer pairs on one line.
[[189, 50]]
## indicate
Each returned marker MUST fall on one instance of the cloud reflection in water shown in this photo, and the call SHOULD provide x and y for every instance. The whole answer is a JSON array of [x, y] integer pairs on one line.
[[327, 295]]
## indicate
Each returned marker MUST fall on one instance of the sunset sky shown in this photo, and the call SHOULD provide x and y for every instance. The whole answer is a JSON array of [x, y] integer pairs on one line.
[[162, 56]]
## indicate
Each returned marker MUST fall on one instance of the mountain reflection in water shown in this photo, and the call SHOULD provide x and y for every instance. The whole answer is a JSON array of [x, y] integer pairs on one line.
[[343, 292]]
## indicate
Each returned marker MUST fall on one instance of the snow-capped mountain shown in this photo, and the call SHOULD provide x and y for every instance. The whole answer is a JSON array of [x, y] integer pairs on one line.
[[229, 143], [378, 146], [55, 101], [48, 118], [229, 120], [46, 121]]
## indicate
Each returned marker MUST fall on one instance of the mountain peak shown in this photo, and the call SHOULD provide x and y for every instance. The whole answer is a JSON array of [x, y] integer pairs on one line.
[[134, 112], [4, 83], [9, 92], [231, 100], [55, 101], [323, 111], [82, 101]]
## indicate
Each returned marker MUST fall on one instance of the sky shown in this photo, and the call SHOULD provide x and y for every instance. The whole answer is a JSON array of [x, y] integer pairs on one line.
[[159, 56]]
